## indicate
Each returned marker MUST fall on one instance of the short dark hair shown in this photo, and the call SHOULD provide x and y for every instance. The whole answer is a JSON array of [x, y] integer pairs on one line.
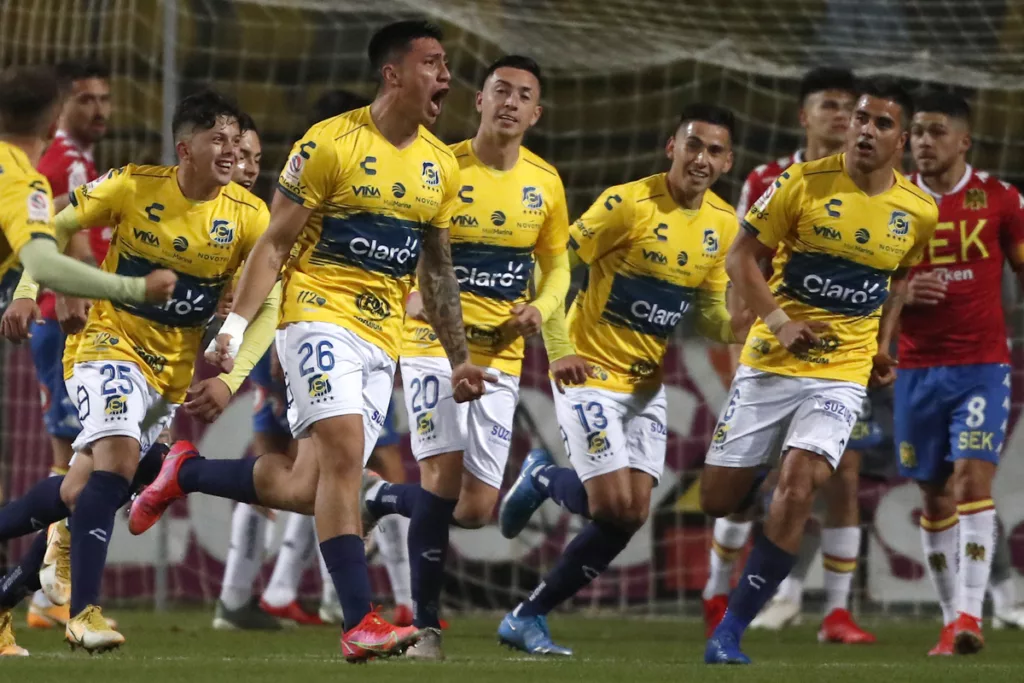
[[394, 39], [514, 62], [72, 70], [709, 113], [827, 78], [885, 88], [335, 102], [28, 98], [246, 123], [201, 110], [943, 102]]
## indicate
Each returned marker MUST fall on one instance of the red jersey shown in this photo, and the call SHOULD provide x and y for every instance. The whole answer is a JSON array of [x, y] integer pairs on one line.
[[761, 178], [66, 166], [981, 224]]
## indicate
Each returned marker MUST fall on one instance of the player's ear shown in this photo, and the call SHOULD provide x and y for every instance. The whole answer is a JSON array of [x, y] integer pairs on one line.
[[727, 166], [537, 111], [670, 146], [966, 142], [389, 75], [479, 101], [182, 148], [802, 116]]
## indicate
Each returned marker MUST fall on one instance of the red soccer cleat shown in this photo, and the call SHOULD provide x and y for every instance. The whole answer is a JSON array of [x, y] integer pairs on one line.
[[374, 637], [839, 627], [292, 612], [154, 500], [945, 644], [403, 616], [967, 638], [714, 610]]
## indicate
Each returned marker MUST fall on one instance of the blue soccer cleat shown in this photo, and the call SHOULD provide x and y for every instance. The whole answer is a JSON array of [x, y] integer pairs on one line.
[[530, 635], [724, 648], [523, 499]]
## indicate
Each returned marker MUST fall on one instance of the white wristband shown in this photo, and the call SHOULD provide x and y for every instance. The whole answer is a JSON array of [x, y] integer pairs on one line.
[[234, 326], [776, 319]]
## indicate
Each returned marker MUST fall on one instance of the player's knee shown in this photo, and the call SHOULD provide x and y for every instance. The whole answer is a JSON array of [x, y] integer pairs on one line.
[[612, 507], [636, 516], [716, 502], [69, 490], [972, 482], [796, 488]]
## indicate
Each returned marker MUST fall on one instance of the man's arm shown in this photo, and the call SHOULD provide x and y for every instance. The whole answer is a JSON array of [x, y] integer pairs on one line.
[[440, 292]]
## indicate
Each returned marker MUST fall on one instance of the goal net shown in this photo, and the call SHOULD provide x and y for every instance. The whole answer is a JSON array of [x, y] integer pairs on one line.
[[618, 71]]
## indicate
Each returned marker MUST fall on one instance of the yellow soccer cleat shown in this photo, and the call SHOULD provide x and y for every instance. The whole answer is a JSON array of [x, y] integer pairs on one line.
[[55, 574], [48, 617], [9, 648], [90, 631]]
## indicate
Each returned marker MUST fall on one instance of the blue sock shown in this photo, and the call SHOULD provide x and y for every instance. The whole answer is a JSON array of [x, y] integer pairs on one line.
[[37, 509], [345, 558], [231, 479], [582, 561], [563, 486], [428, 547], [394, 499], [766, 567], [93, 521], [149, 466], [23, 580]]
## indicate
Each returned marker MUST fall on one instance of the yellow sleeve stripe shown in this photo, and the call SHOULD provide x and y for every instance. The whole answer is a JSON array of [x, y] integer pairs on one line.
[[839, 565], [935, 525], [975, 506]]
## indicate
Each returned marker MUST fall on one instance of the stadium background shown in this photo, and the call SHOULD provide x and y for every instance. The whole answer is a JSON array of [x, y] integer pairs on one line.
[[618, 71]]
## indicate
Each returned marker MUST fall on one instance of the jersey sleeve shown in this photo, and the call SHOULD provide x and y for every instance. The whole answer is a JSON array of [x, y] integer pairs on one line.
[[605, 226], [449, 197], [929, 220], [716, 279], [100, 202], [26, 211], [254, 229], [554, 234], [313, 169], [1011, 230], [774, 214]]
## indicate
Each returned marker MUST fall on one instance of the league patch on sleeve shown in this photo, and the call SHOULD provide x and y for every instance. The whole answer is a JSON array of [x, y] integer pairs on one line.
[[39, 208]]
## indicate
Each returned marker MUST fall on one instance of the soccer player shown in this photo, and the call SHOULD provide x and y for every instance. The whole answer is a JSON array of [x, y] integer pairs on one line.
[[844, 230], [953, 387], [511, 212], [359, 195], [826, 101], [655, 248]]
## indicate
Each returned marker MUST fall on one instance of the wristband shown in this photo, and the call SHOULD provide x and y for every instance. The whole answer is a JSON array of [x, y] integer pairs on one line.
[[775, 320], [234, 326]]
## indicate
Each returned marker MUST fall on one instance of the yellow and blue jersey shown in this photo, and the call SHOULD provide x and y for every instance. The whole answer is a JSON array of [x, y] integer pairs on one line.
[[155, 226], [357, 254], [501, 219], [26, 212], [648, 260], [836, 250]]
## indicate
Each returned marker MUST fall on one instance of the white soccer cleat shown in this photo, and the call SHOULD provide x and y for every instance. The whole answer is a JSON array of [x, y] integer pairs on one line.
[[1011, 618], [90, 631], [777, 615], [55, 573]]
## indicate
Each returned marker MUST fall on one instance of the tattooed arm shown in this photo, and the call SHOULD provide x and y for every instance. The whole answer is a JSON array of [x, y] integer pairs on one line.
[[440, 292]]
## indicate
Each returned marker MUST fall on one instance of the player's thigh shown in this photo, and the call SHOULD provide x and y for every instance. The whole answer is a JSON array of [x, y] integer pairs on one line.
[[921, 424], [592, 421], [379, 382], [824, 418], [489, 430], [647, 433], [437, 424], [979, 417]]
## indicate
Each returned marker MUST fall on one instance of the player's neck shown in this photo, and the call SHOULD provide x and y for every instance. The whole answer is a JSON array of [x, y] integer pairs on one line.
[[84, 145], [681, 198], [943, 183], [819, 149], [495, 151], [32, 146], [872, 182], [195, 188], [395, 125]]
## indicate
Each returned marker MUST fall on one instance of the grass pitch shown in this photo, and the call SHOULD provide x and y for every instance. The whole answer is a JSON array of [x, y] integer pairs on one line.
[[180, 647]]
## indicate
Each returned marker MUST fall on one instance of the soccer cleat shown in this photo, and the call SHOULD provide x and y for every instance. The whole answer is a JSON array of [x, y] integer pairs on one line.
[[55, 572], [90, 631], [374, 637], [529, 635], [714, 610], [945, 644], [967, 638], [724, 648], [248, 617], [777, 615], [523, 499], [1011, 618], [428, 648], [47, 617], [370, 479], [293, 612], [838, 626], [9, 648], [330, 613], [150, 505]]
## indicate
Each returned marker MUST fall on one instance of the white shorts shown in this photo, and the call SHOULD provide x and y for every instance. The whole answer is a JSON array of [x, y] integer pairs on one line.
[[114, 399], [606, 430], [482, 429], [767, 414], [331, 371]]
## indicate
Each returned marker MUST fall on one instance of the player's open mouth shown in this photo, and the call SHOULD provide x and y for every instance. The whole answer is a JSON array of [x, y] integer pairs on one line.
[[865, 146], [247, 184], [699, 175], [436, 100], [509, 118], [226, 165]]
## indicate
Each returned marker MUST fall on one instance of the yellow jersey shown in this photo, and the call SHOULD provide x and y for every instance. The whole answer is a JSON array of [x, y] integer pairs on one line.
[[836, 250], [26, 212], [357, 254], [648, 258], [501, 220], [155, 226]]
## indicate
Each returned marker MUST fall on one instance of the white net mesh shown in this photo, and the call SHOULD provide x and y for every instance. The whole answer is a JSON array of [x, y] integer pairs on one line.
[[618, 72]]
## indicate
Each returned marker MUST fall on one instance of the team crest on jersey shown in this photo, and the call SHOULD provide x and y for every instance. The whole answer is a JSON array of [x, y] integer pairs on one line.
[[975, 199], [430, 175], [710, 241], [899, 223], [908, 456], [222, 232], [597, 443], [532, 199], [319, 386]]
